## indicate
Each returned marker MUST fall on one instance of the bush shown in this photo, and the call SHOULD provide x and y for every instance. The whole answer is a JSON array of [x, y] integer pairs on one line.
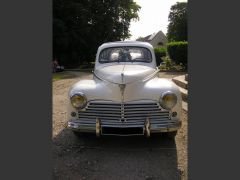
[[178, 52], [159, 53], [169, 65]]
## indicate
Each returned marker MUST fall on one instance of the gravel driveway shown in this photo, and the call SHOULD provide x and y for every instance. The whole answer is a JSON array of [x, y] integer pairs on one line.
[[117, 158]]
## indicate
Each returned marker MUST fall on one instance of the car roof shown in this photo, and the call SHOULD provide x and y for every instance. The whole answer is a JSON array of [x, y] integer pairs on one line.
[[126, 43]]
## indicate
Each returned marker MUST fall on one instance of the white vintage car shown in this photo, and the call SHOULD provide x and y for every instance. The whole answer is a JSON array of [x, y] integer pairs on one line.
[[126, 96]]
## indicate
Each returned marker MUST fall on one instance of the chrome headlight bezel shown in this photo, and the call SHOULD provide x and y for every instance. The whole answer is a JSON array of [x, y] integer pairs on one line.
[[80, 105], [163, 101]]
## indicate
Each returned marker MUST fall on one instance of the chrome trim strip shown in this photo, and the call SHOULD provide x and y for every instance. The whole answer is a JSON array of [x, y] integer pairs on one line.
[[74, 125], [98, 127], [147, 127]]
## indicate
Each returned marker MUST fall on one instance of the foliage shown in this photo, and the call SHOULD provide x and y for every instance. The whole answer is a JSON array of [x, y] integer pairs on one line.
[[177, 28], [80, 26], [178, 52], [159, 53], [169, 65]]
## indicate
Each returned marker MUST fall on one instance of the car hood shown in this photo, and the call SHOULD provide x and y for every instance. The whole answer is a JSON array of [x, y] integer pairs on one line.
[[124, 74]]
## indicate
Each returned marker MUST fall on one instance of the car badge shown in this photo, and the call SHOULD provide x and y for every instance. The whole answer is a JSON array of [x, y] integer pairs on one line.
[[122, 87], [122, 75]]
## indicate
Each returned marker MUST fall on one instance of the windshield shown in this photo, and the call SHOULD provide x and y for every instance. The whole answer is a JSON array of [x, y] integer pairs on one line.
[[125, 54]]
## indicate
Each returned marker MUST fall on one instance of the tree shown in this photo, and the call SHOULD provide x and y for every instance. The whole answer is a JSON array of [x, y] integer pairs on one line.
[[80, 26], [177, 28]]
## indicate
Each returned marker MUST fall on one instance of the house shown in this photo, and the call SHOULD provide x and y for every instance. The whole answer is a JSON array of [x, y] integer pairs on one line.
[[155, 39]]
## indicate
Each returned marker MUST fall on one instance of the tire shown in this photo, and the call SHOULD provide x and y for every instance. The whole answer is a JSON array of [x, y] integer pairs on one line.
[[77, 134], [172, 134], [83, 135]]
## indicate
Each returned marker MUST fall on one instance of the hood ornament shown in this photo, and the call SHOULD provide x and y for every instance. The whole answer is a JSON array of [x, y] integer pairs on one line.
[[122, 87], [122, 75]]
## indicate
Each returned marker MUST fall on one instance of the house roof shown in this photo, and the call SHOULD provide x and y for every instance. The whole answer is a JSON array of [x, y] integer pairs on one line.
[[144, 38], [150, 37]]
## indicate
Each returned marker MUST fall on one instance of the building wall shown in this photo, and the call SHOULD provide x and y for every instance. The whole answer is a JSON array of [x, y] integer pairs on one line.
[[159, 37]]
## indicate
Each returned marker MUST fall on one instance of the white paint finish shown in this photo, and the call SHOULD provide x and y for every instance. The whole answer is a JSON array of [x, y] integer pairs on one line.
[[124, 74], [122, 44], [102, 91], [150, 90], [136, 88]]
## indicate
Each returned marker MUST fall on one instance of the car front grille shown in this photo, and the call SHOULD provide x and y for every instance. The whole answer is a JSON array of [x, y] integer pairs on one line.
[[133, 114]]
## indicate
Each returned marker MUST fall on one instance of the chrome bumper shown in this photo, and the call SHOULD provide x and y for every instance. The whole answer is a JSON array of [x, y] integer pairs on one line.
[[101, 129]]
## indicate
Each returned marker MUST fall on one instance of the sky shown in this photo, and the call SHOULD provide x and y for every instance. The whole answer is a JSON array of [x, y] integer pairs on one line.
[[153, 16]]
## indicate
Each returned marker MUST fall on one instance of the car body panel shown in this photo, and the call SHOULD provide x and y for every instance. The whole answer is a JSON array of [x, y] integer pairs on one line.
[[123, 83]]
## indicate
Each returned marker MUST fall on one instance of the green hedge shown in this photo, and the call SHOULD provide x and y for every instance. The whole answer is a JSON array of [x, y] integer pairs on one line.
[[159, 53], [177, 51]]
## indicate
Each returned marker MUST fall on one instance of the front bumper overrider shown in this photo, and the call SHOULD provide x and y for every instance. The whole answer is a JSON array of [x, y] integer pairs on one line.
[[123, 129]]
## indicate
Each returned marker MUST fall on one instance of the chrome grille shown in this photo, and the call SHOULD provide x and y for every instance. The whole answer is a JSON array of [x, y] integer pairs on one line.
[[132, 114]]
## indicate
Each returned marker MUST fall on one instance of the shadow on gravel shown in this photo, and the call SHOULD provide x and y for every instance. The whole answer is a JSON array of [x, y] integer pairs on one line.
[[112, 157], [71, 75], [175, 73]]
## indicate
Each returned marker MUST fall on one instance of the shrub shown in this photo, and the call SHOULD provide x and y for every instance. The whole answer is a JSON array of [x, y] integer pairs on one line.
[[169, 65], [159, 53], [177, 51]]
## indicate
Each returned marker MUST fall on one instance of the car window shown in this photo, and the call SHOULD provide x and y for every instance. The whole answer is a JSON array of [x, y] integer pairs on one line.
[[125, 54]]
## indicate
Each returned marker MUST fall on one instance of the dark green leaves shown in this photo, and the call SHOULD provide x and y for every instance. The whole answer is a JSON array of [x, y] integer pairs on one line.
[[80, 26], [177, 28]]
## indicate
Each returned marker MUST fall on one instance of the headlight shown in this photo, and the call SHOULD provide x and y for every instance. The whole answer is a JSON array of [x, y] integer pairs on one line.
[[78, 100], [168, 100]]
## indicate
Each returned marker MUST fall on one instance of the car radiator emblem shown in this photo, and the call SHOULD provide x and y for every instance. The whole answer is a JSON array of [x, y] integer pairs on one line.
[[122, 88]]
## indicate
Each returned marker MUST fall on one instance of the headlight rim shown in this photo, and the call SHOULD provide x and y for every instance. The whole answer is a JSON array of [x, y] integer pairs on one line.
[[163, 105], [79, 94]]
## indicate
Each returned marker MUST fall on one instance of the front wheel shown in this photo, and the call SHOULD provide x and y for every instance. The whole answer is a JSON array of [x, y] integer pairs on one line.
[[171, 134], [77, 134], [83, 135]]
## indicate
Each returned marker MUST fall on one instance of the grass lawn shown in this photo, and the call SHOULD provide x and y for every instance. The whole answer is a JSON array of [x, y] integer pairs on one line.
[[61, 75]]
